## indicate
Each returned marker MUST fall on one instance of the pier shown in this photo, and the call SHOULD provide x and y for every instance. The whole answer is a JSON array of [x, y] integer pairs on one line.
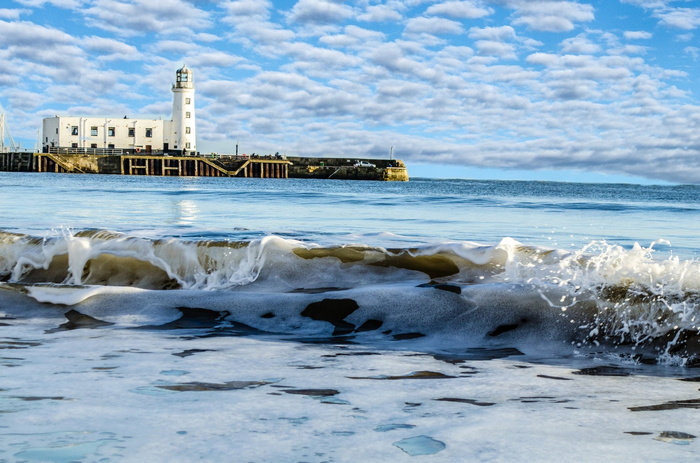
[[163, 165], [129, 162]]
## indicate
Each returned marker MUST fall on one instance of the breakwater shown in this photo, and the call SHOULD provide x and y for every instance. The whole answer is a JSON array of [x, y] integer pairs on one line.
[[272, 166]]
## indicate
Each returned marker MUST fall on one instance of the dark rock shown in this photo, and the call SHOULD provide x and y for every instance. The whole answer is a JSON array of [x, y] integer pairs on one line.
[[334, 312]]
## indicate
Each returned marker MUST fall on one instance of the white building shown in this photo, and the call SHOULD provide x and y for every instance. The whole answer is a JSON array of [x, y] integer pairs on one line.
[[118, 135]]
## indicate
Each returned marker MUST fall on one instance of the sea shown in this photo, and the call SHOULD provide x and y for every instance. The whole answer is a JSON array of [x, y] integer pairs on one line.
[[176, 319]]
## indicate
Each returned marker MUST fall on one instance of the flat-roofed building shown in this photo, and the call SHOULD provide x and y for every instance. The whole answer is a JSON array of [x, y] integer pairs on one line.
[[114, 135]]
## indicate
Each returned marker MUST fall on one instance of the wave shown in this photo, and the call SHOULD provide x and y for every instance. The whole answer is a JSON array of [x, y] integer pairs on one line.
[[451, 293]]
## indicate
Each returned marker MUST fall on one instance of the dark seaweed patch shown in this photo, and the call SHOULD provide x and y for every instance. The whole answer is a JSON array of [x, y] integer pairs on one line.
[[465, 401], [189, 352], [200, 386], [413, 375], [77, 320], [603, 371], [193, 319], [351, 354], [406, 336], [554, 377], [673, 405], [334, 312], [506, 328], [313, 392], [442, 286], [38, 398], [213, 323], [18, 344], [484, 353], [370, 325]]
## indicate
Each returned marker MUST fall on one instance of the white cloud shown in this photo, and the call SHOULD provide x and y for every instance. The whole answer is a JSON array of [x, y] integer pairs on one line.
[[138, 17], [549, 15], [320, 11], [580, 44], [434, 26], [6, 13], [248, 8], [459, 9], [501, 33], [67, 4], [382, 13], [638, 35], [111, 49], [680, 18]]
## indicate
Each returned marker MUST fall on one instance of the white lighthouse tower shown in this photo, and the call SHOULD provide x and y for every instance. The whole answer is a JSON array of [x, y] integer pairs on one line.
[[184, 136]]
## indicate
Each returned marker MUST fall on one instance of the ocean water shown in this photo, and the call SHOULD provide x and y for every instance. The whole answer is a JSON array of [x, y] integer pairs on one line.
[[266, 320]]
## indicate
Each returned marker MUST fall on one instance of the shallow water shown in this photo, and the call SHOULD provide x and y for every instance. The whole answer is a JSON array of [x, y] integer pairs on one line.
[[311, 320]]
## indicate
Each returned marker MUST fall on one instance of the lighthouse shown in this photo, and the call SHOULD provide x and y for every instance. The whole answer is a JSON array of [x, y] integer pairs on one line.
[[183, 124]]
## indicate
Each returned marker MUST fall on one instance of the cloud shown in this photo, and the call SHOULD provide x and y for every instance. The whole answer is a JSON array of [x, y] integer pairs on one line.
[[670, 16], [500, 34], [67, 4], [320, 11], [6, 13], [139, 17], [580, 45], [638, 35], [111, 49], [433, 26], [680, 18], [459, 9], [248, 8], [550, 16], [382, 13]]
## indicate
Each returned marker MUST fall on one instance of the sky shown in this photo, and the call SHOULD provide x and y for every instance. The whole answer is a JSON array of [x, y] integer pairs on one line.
[[599, 90]]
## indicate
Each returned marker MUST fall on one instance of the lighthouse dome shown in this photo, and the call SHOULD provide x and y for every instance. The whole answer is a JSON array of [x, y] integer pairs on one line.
[[184, 77]]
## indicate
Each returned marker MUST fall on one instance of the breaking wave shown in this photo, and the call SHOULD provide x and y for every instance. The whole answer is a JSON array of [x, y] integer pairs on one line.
[[451, 293]]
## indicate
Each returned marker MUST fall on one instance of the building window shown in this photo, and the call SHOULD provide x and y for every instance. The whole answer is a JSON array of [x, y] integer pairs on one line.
[[110, 146], [187, 115], [132, 132], [111, 131], [93, 145], [56, 130], [187, 101], [74, 130], [187, 130], [149, 133], [93, 131], [73, 145], [187, 145]]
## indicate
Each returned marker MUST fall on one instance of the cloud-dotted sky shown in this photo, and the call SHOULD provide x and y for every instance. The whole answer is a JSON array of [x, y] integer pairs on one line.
[[608, 86]]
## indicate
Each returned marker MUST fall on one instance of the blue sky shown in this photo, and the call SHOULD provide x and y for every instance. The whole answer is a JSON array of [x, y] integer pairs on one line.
[[603, 90]]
